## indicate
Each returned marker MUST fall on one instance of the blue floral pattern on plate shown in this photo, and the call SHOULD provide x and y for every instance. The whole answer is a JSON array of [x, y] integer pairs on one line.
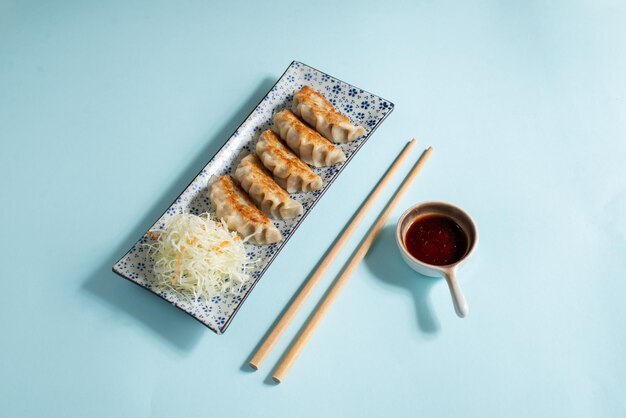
[[361, 107]]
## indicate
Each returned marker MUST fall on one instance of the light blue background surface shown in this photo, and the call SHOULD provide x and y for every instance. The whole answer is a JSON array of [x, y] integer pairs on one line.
[[108, 109]]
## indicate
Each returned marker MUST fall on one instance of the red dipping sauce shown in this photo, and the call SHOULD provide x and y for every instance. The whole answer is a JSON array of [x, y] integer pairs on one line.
[[436, 239]]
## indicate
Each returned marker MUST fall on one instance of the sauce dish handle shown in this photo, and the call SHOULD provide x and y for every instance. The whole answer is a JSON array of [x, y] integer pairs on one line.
[[460, 304]]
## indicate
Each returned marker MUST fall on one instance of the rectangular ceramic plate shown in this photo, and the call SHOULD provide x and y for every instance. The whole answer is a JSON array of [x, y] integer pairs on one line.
[[361, 107]]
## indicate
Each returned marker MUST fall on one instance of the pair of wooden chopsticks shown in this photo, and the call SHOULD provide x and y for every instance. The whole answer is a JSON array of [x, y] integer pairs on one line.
[[272, 338]]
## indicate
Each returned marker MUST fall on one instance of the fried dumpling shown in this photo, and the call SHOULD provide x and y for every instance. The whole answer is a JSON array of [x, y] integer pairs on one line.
[[318, 112], [234, 206], [269, 196], [289, 171], [310, 146]]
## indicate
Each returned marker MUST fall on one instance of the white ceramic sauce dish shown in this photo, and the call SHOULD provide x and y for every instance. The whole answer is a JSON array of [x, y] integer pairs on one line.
[[449, 271]]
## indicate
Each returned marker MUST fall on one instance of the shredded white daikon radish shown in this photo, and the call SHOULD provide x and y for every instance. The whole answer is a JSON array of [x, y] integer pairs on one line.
[[199, 257]]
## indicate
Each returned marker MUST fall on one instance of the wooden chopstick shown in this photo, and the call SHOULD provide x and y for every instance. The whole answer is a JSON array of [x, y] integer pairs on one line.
[[290, 357], [272, 338]]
